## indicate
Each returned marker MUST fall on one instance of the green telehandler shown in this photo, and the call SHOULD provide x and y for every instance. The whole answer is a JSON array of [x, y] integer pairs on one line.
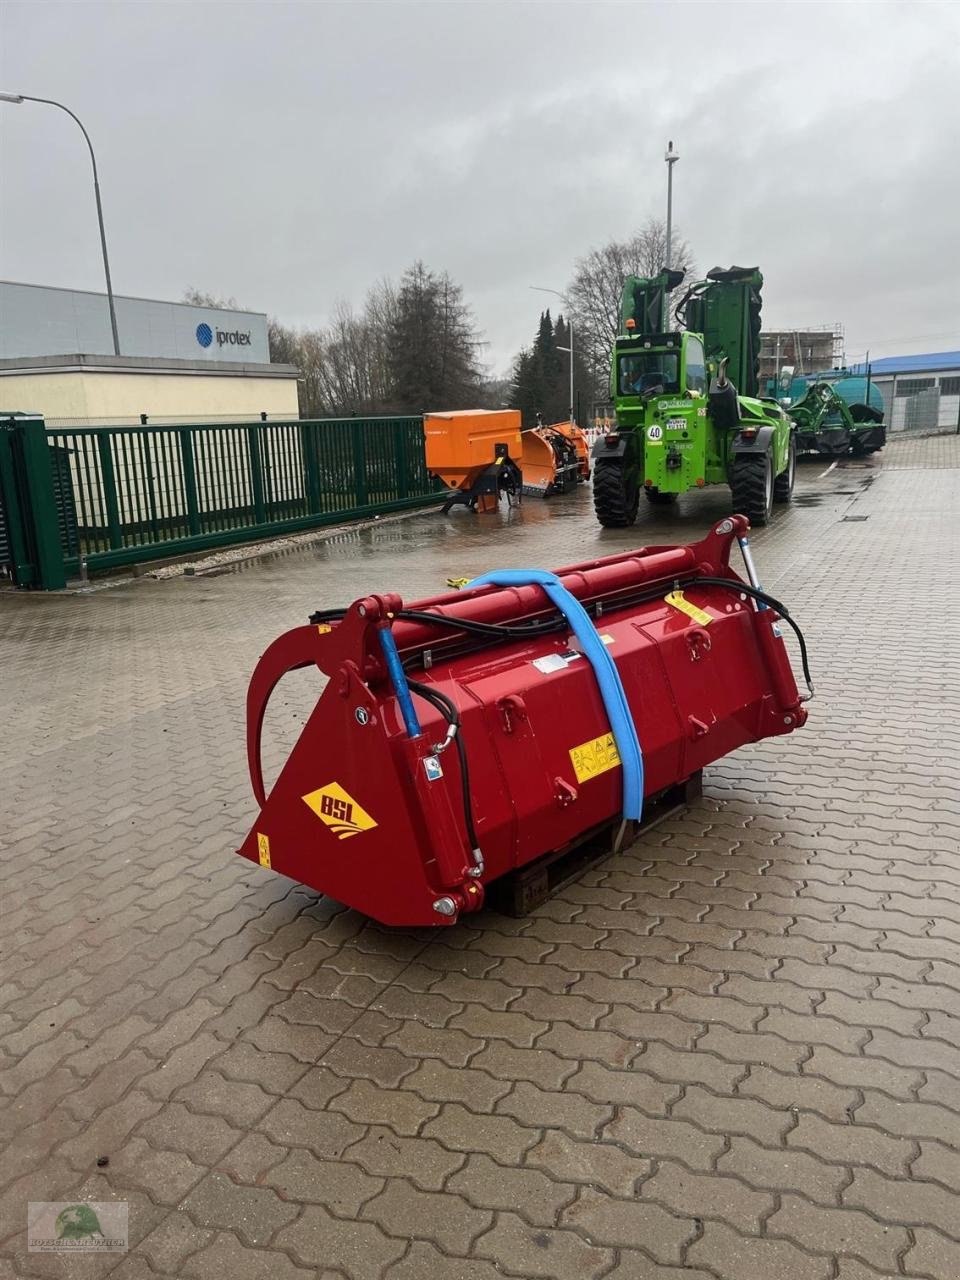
[[681, 422]]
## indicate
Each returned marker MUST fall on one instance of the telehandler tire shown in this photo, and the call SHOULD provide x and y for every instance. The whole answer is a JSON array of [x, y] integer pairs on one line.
[[615, 499], [751, 484], [783, 484]]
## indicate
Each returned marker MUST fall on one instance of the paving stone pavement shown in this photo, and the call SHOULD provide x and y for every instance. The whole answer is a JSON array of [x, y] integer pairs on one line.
[[733, 1051]]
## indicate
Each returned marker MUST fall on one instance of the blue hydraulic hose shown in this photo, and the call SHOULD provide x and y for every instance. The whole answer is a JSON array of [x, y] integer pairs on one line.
[[604, 667], [400, 686]]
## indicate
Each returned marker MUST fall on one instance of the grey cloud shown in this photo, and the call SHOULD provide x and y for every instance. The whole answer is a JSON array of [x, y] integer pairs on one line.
[[292, 154]]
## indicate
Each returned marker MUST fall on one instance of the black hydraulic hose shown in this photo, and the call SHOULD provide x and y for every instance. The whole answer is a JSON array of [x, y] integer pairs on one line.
[[448, 710], [518, 630], [545, 626], [744, 588], [457, 624]]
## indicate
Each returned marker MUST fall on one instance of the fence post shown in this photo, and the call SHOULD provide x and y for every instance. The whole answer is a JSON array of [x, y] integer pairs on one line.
[[189, 479], [311, 466], [256, 476], [359, 464], [400, 445], [110, 498], [39, 512]]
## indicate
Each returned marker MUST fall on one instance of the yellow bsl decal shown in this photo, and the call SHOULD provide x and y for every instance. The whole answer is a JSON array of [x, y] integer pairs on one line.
[[593, 758], [338, 810], [679, 601], [263, 849]]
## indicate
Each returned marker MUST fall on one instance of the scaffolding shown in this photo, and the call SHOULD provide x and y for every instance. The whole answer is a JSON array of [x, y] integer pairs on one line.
[[810, 349]]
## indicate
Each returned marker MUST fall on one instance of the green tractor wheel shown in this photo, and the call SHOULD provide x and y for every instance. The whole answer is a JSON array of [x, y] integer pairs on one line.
[[658, 499], [616, 495], [751, 483], [783, 484]]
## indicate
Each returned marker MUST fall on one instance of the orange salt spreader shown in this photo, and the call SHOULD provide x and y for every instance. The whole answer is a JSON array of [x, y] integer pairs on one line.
[[476, 453]]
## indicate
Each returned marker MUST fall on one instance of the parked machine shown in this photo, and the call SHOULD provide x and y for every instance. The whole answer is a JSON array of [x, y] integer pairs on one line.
[[836, 413], [476, 453], [475, 739], [556, 458], [687, 412], [481, 455]]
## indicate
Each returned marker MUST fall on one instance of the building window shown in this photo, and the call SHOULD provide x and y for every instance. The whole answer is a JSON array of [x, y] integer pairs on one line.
[[950, 386], [914, 385]]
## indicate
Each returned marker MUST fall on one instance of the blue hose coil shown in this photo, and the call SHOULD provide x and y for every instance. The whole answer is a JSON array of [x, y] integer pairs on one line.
[[399, 678], [604, 668]]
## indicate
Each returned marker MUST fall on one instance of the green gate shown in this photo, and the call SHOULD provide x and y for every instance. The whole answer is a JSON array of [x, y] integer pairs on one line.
[[115, 496], [34, 524]]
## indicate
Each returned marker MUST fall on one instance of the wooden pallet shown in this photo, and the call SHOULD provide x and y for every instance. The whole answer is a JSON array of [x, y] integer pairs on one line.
[[518, 892]]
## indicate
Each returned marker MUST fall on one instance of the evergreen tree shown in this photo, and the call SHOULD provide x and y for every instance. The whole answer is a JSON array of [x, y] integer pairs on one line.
[[541, 374], [434, 353]]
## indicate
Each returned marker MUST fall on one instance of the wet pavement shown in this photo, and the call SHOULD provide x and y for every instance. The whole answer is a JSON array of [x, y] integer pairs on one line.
[[733, 1051]]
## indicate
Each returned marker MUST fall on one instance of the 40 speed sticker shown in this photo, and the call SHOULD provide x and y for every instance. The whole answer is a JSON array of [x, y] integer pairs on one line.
[[655, 434]]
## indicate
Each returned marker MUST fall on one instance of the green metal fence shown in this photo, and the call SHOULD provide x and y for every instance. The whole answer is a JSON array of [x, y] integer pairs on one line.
[[134, 493]]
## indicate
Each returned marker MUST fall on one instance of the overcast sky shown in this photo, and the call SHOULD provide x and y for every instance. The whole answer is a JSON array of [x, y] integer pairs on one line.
[[289, 154]]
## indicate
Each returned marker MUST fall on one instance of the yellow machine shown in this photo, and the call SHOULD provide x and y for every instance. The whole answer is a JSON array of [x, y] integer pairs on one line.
[[476, 453], [556, 458]]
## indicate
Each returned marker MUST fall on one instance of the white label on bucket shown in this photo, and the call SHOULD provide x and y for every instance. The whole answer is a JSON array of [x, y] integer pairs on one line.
[[551, 662]]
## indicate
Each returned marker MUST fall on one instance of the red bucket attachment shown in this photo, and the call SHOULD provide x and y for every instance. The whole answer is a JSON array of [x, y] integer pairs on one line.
[[379, 819]]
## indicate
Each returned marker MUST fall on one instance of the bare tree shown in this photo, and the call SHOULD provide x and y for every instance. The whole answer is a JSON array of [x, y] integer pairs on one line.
[[412, 346], [381, 314], [198, 298], [594, 293]]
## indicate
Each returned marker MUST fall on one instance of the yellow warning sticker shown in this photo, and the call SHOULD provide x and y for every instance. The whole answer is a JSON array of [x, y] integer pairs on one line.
[[338, 810], [263, 849], [679, 601], [324, 629], [593, 758]]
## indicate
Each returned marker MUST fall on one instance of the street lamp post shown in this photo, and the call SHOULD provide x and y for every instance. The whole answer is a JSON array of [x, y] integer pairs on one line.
[[557, 293], [17, 98], [671, 157]]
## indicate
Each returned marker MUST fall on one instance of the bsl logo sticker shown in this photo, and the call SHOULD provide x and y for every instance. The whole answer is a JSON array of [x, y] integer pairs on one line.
[[339, 811]]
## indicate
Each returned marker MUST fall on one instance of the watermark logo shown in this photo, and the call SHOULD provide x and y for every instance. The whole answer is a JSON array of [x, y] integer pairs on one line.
[[204, 335], [91, 1226]]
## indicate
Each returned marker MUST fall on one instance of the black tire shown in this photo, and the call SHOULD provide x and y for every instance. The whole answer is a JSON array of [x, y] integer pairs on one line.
[[615, 499], [751, 483], [783, 484], [658, 499]]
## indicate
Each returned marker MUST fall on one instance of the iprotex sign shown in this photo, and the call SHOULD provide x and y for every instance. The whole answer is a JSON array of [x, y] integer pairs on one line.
[[39, 321], [207, 336]]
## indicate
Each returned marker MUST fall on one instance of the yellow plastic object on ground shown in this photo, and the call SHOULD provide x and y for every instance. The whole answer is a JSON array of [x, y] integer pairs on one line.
[[476, 453]]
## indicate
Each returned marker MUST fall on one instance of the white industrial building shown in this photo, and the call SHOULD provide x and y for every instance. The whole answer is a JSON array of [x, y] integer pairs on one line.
[[919, 392], [178, 361]]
